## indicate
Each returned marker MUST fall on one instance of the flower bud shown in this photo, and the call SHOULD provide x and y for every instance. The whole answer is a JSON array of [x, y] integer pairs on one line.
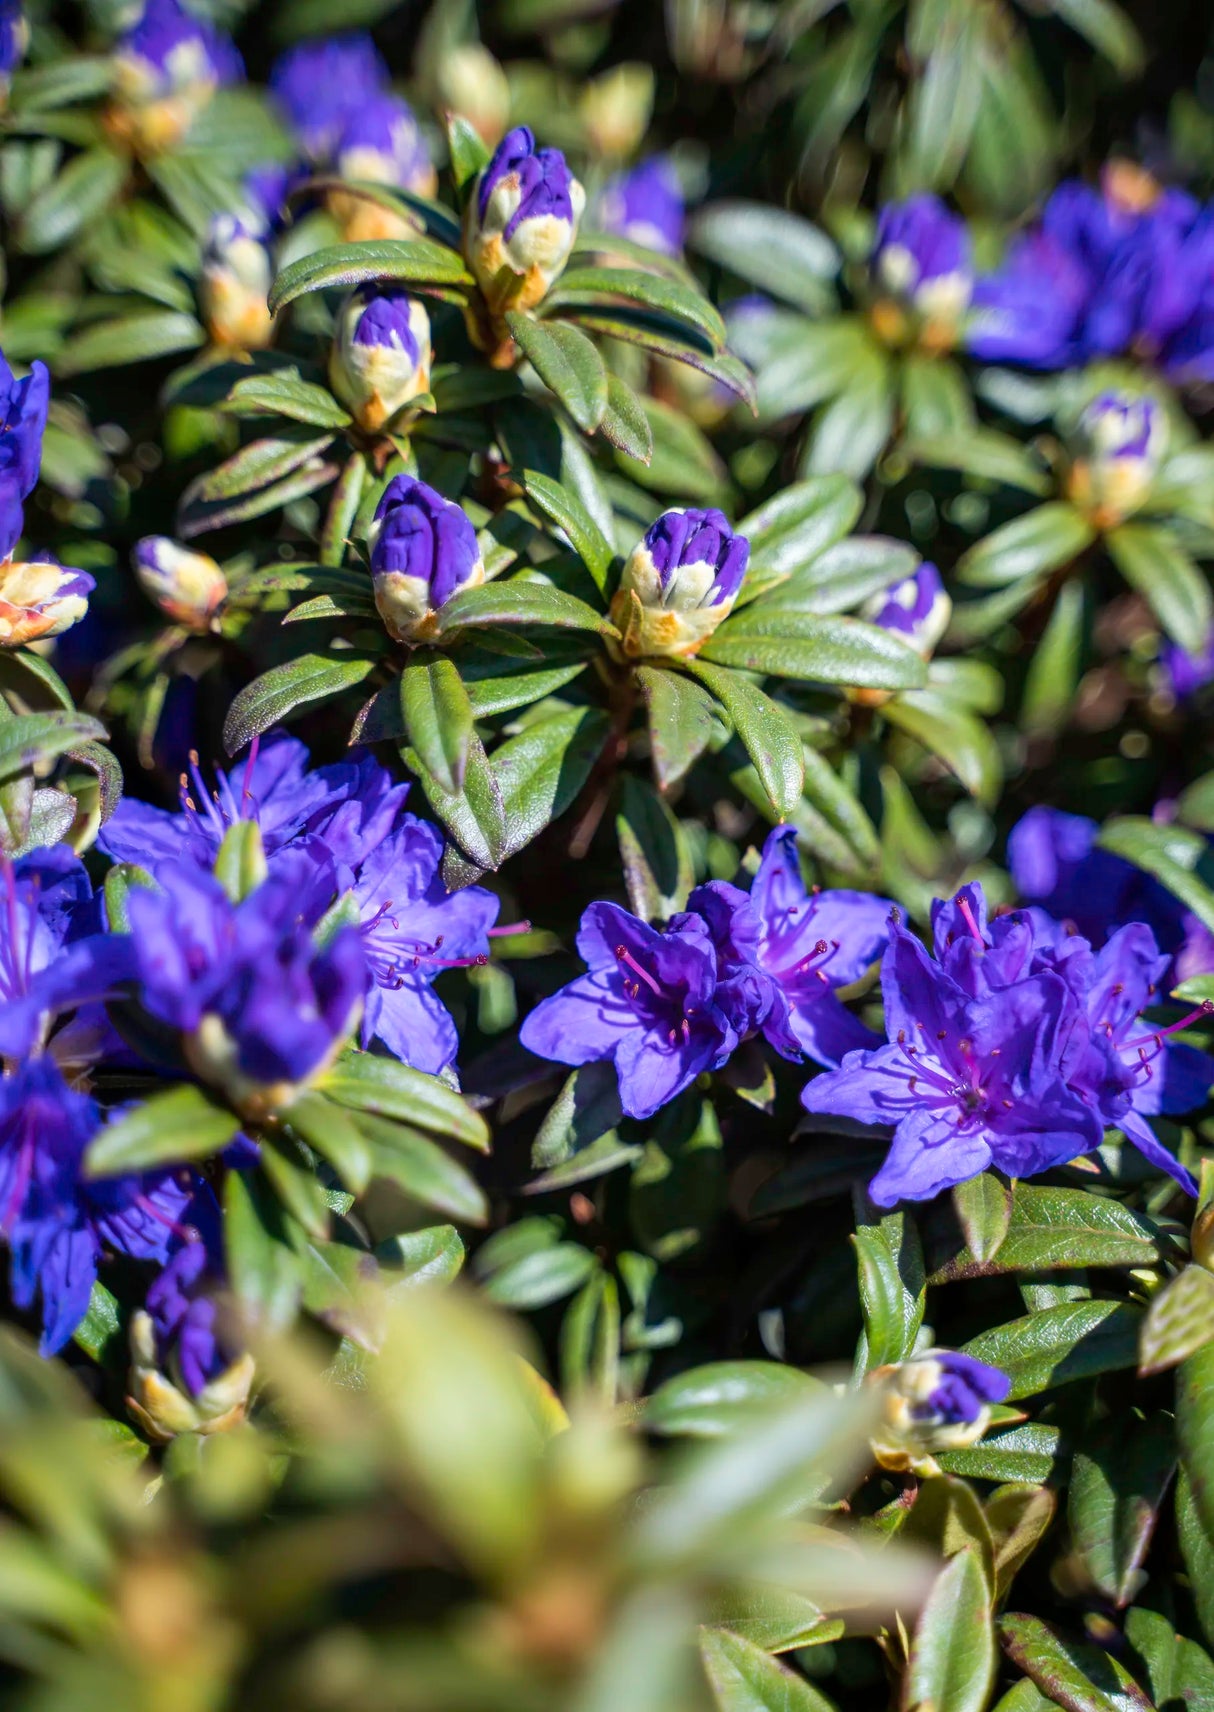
[[917, 609], [936, 1402], [166, 69], [40, 598], [317, 85], [646, 207], [616, 109], [380, 143], [521, 222], [14, 39], [1119, 445], [679, 583], [187, 587], [423, 551], [380, 358], [182, 1379], [234, 285], [473, 84], [922, 271]]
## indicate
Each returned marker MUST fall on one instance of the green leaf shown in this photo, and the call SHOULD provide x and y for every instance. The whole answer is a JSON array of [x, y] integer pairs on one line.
[[278, 692], [423, 1170], [266, 1271], [1054, 670], [744, 1678], [1195, 1430], [1197, 1547], [582, 286], [535, 1280], [892, 1286], [332, 1133], [1107, 28], [519, 600], [183, 1123], [432, 1256], [682, 464], [672, 339], [475, 814], [850, 433], [35, 740], [841, 577], [1171, 853], [590, 1341], [368, 1083], [721, 1397], [1154, 564], [240, 863], [954, 736], [1049, 1229], [437, 715], [135, 338], [1118, 1479], [256, 465], [765, 731], [416, 261], [789, 531], [343, 509], [777, 251], [568, 364], [825, 650], [72, 202], [952, 1651], [653, 848], [1031, 1452], [681, 721], [567, 511], [984, 1207], [290, 1174], [1073, 1341], [1030, 546], [33, 681], [99, 1333], [625, 424], [542, 770], [1079, 1678], [468, 153], [1179, 1322], [284, 393]]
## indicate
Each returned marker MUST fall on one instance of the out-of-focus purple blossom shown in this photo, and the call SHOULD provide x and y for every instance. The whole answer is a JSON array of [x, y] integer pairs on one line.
[[917, 608], [967, 1082], [412, 929], [188, 587], [234, 284], [933, 1403], [56, 1221], [679, 582], [185, 1320], [922, 262], [423, 551], [380, 357], [23, 408], [645, 205], [320, 84], [1119, 444], [522, 221], [346, 807], [14, 39], [381, 142], [648, 1004], [261, 1008], [1185, 674], [184, 1375], [166, 69]]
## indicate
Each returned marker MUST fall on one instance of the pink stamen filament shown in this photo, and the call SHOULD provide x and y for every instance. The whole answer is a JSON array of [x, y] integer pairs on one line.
[[1156, 1035], [963, 904], [626, 957], [508, 928]]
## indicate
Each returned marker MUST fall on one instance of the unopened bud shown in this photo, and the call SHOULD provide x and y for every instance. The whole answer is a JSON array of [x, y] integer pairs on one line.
[[187, 587], [678, 584], [234, 285], [1120, 443], [933, 1403], [40, 598], [521, 222], [380, 357], [423, 551]]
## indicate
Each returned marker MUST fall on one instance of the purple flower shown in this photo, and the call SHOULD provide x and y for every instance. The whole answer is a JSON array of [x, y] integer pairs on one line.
[[679, 582], [423, 551], [782, 952], [14, 39], [1056, 864], [962, 1389], [648, 1003], [918, 608], [320, 84], [265, 191], [346, 807], [380, 141], [184, 1318], [1187, 674], [54, 959], [968, 1082], [55, 1220], [166, 69], [23, 408], [522, 222], [921, 258], [380, 357], [412, 929], [645, 205], [261, 1007]]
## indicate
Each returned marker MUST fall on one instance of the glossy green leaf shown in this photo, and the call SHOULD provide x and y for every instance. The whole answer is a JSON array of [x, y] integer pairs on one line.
[[827, 650], [653, 848], [567, 362], [35, 740], [1195, 1430], [1029, 547], [952, 1651], [744, 1678], [416, 261], [962, 742], [777, 251], [519, 600], [285, 393], [437, 715], [1075, 1676], [892, 1287], [1118, 1480], [568, 513], [367, 1082], [580, 286], [717, 1399], [1074, 1341], [72, 202], [1050, 1229], [277, 693], [328, 1128], [766, 732], [426, 1173], [681, 718], [1179, 1322], [984, 1208], [1171, 853], [1154, 563], [183, 1123], [625, 423], [542, 770]]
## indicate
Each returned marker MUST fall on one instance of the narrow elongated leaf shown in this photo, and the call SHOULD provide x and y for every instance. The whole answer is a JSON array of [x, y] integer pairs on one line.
[[329, 1129], [135, 338], [625, 423], [368, 1083], [984, 1207], [285, 393], [777, 251], [681, 721], [1048, 1229], [595, 285], [278, 692], [744, 1678], [1029, 547], [181, 1124], [955, 736], [765, 730], [474, 814], [1179, 1322], [825, 650], [36, 739], [952, 1653], [257, 465], [1171, 853], [568, 513], [425, 1172], [521, 601], [437, 715], [1077, 1677], [715, 1400], [1195, 1430], [1118, 1480], [567, 362], [76, 199], [542, 770], [416, 260], [1154, 563], [1073, 1341], [892, 1286]]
